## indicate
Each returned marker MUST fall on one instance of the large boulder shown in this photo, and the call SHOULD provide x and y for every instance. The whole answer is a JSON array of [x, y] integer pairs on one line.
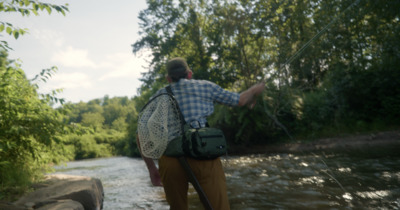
[[60, 205], [65, 192]]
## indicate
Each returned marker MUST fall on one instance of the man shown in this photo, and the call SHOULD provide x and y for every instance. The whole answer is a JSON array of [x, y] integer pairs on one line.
[[196, 100]]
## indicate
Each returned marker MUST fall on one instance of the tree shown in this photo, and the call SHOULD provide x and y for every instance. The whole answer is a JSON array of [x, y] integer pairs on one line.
[[30, 128], [93, 119], [236, 43]]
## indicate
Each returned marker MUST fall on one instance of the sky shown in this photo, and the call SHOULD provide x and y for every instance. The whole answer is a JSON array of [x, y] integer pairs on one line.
[[90, 46]]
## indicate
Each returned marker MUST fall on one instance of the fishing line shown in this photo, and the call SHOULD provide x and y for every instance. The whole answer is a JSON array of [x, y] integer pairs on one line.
[[330, 175], [273, 117], [306, 45], [296, 55], [316, 36]]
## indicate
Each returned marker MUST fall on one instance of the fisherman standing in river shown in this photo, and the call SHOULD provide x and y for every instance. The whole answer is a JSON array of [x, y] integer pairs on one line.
[[196, 100]]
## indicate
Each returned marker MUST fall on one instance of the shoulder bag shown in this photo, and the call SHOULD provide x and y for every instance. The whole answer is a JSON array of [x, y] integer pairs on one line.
[[198, 143]]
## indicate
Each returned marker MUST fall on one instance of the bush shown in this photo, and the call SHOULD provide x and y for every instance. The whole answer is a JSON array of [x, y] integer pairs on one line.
[[352, 100], [30, 128]]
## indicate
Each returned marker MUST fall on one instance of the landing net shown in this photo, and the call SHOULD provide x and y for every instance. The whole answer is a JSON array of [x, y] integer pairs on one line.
[[159, 122]]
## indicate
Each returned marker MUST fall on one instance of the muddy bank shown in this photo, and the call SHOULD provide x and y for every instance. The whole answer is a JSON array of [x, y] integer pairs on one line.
[[388, 142]]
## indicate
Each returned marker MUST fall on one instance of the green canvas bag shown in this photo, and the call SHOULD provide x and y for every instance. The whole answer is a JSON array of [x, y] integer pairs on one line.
[[198, 143]]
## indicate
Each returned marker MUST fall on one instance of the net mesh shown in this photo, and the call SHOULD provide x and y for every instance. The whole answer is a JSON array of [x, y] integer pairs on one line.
[[158, 123]]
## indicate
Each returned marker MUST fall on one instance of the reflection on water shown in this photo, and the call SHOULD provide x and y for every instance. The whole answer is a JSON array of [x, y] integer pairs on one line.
[[281, 181]]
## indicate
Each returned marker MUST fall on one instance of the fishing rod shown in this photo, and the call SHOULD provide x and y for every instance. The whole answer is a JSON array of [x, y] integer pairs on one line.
[[316, 36], [296, 55]]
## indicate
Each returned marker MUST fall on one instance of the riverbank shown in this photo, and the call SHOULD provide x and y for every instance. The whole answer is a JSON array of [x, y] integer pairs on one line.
[[365, 143]]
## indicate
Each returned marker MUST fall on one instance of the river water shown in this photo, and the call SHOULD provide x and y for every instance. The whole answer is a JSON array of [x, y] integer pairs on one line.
[[274, 181]]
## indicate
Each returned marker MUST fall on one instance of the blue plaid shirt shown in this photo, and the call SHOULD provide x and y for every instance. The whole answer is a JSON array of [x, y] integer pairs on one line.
[[196, 99]]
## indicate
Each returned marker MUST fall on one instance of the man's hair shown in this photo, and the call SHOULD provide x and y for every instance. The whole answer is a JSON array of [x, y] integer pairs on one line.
[[177, 69]]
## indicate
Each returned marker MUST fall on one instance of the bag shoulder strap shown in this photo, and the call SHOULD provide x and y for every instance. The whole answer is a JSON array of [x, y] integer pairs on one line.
[[183, 121], [169, 91]]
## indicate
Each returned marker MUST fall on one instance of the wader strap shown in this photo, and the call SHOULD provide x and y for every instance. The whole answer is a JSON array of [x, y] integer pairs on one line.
[[195, 183]]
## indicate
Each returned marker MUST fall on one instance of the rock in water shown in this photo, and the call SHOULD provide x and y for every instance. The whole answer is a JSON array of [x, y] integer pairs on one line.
[[65, 192]]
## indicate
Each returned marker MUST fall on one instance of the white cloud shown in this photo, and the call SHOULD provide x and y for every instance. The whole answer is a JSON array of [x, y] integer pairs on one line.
[[71, 57], [123, 65], [70, 80], [48, 37]]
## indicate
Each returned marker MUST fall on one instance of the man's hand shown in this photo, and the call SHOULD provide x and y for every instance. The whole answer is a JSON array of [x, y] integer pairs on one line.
[[155, 178], [249, 97]]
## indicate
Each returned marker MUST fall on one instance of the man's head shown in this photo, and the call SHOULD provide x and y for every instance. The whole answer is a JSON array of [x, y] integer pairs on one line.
[[177, 69]]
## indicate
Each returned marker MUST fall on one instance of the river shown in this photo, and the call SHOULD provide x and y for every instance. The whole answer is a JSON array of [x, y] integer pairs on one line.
[[274, 181]]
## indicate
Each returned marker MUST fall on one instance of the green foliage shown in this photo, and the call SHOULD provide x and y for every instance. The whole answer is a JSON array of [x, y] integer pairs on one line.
[[129, 146], [87, 146], [120, 124], [93, 120], [16, 178], [353, 100], [346, 76], [107, 125], [30, 127]]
